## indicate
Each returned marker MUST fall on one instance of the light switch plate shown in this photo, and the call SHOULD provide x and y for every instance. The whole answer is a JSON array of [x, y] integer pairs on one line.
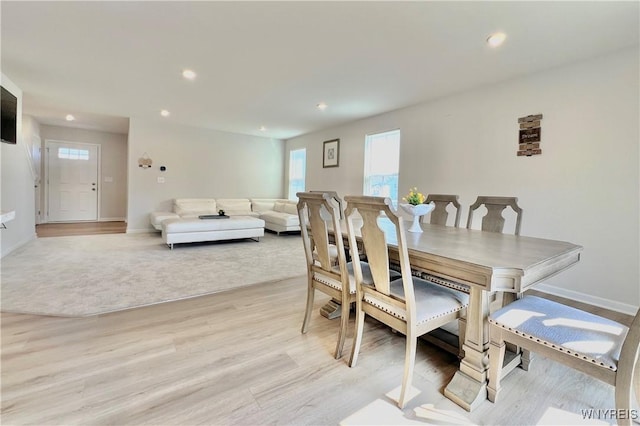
[[160, 179]]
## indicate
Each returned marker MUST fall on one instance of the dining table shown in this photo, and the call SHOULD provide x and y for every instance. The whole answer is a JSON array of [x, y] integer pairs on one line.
[[486, 262]]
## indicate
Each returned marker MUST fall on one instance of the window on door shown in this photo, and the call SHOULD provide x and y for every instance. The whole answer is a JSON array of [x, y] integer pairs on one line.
[[73, 154], [381, 164], [297, 170]]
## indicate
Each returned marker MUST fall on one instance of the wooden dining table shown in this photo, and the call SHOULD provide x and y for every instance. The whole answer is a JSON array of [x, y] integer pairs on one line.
[[487, 262]]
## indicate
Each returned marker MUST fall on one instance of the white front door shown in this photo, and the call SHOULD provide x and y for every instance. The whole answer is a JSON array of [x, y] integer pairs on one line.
[[72, 181]]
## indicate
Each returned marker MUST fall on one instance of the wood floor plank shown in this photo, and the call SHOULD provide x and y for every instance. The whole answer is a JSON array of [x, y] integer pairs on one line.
[[238, 357], [80, 228]]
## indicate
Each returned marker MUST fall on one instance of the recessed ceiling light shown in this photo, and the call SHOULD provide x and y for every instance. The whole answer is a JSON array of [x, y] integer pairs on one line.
[[495, 40], [70, 117], [321, 106], [164, 113], [188, 74], [263, 129]]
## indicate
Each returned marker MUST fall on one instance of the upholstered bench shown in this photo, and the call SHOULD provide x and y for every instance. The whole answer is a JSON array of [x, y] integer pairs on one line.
[[189, 230]]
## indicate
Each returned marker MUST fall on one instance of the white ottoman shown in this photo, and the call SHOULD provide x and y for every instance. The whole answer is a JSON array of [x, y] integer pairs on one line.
[[189, 230]]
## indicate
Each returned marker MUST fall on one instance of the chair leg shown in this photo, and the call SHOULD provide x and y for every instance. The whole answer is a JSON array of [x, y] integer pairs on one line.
[[344, 322], [462, 332], [525, 359], [627, 381], [497, 348], [409, 362], [623, 400], [307, 314], [357, 337]]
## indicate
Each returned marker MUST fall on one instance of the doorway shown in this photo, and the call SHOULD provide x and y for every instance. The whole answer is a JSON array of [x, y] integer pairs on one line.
[[72, 184]]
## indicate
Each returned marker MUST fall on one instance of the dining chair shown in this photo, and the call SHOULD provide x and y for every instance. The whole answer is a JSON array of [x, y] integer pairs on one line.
[[493, 221], [410, 305], [439, 215], [319, 215], [327, 268], [597, 346]]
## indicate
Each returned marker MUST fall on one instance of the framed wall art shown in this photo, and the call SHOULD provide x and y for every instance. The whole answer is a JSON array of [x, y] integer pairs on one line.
[[331, 153]]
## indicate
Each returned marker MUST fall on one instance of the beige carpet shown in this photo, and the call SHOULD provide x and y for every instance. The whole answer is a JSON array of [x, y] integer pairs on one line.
[[88, 275]]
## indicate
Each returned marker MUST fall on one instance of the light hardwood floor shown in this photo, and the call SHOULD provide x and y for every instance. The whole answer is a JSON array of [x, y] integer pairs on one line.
[[79, 228], [238, 358]]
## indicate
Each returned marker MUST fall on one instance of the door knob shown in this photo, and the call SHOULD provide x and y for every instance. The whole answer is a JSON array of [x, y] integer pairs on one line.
[[93, 189]]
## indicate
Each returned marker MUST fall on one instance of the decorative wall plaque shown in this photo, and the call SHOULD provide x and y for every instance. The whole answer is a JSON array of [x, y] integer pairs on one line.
[[529, 135], [145, 161]]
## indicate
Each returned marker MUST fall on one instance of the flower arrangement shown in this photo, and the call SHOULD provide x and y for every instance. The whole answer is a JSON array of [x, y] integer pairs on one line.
[[414, 198]]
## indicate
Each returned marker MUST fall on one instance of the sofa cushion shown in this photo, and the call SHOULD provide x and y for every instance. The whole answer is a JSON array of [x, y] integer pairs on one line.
[[291, 207], [235, 206], [286, 206], [280, 218], [194, 206], [260, 205], [157, 218]]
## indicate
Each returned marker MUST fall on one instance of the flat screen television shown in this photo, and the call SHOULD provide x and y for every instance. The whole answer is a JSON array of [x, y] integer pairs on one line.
[[8, 116]]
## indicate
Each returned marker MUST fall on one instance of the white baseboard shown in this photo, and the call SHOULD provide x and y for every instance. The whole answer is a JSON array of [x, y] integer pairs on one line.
[[112, 219], [585, 298], [18, 245]]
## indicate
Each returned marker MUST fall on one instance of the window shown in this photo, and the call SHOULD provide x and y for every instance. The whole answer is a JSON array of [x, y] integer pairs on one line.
[[297, 170], [73, 154], [381, 164]]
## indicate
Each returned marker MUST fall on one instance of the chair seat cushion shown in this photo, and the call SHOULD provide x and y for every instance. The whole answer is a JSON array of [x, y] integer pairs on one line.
[[366, 277], [566, 329], [432, 300]]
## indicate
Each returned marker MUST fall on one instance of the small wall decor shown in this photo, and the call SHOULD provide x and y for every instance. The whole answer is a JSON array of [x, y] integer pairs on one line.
[[529, 135], [145, 161], [331, 155]]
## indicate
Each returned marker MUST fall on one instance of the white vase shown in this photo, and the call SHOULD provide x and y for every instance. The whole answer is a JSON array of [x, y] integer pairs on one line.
[[416, 212]]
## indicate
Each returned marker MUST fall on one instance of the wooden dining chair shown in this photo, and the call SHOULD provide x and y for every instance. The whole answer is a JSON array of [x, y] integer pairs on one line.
[[440, 215], [319, 215], [410, 305], [493, 221], [597, 346], [327, 268]]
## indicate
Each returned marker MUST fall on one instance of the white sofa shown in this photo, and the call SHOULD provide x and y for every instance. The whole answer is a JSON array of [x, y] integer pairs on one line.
[[279, 215], [282, 216]]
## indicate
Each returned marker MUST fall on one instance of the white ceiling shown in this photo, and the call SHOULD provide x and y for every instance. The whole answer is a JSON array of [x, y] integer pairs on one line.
[[270, 63]]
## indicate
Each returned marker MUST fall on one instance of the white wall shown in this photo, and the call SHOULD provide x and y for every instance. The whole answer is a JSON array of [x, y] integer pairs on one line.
[[113, 164], [584, 188], [200, 163], [16, 184]]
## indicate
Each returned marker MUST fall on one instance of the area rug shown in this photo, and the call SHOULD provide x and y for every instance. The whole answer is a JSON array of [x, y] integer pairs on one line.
[[94, 274]]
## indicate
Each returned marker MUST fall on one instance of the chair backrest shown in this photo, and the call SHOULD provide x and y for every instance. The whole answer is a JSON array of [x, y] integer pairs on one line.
[[319, 215], [439, 214], [337, 198], [493, 221], [371, 211]]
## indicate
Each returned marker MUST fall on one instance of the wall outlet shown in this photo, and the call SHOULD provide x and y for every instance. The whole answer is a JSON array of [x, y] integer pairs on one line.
[[160, 180]]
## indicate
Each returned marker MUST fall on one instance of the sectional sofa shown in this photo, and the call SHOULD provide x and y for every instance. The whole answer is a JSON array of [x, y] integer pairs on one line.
[[279, 215]]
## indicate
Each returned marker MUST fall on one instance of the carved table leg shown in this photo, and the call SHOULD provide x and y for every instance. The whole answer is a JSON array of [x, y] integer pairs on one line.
[[468, 388]]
